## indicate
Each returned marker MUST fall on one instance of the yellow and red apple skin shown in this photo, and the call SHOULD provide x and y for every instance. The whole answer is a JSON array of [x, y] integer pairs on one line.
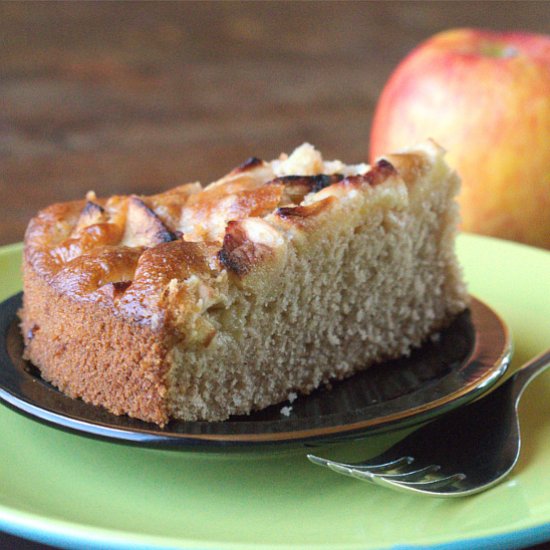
[[485, 97]]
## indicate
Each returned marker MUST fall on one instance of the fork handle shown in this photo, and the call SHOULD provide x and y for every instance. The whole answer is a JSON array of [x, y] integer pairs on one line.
[[529, 371]]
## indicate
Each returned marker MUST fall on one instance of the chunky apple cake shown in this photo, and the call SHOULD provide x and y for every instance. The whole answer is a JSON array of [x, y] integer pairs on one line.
[[200, 303]]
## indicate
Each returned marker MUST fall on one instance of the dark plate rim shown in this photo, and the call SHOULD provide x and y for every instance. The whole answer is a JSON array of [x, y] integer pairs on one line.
[[489, 359]]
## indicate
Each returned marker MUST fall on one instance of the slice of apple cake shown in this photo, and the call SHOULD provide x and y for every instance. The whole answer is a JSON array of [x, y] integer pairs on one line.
[[199, 303]]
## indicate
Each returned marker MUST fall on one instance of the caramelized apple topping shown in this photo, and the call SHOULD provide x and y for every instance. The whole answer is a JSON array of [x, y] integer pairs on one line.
[[246, 243], [302, 213], [248, 164], [238, 221], [297, 187], [144, 227], [91, 214]]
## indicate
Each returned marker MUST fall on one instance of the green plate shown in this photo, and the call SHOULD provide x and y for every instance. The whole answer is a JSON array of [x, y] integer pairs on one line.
[[63, 489]]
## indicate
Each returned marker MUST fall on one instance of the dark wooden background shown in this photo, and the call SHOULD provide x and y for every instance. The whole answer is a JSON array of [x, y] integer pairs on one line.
[[137, 97]]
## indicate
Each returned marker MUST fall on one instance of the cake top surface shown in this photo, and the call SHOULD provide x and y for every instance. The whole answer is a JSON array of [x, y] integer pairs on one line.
[[187, 244]]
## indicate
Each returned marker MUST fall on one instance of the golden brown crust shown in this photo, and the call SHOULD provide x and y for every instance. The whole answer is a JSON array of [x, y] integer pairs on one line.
[[97, 249]]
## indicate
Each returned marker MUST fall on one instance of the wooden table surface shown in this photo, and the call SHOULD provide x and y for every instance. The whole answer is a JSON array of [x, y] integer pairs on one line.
[[137, 97]]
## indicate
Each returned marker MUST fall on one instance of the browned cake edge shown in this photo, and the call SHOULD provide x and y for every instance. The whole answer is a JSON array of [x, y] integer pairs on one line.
[[123, 367]]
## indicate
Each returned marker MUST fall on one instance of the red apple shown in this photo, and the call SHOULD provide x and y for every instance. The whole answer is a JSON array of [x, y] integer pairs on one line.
[[485, 97]]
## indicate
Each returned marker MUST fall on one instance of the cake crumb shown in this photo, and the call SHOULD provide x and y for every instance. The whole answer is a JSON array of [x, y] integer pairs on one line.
[[285, 411], [292, 396], [435, 337]]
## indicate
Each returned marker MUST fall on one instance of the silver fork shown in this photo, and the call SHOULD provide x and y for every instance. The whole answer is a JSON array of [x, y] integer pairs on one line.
[[461, 453]]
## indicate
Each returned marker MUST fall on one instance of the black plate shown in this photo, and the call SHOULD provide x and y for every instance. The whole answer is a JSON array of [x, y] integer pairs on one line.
[[465, 361]]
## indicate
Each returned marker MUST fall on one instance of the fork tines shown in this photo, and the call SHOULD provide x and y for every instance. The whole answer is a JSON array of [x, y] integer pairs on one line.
[[396, 474]]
